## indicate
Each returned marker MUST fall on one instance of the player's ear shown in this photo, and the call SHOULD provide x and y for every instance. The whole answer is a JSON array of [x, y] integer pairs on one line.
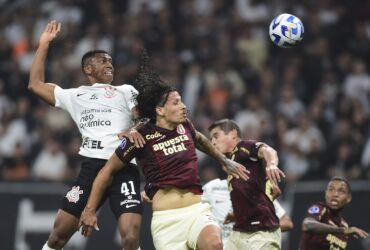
[[349, 198], [87, 69], [159, 110]]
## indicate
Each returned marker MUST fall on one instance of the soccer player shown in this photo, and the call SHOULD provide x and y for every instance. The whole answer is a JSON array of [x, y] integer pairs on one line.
[[256, 224], [323, 227], [101, 111], [170, 166], [217, 194]]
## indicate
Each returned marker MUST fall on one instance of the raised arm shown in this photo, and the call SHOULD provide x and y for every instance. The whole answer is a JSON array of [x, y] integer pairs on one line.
[[36, 82], [103, 180], [312, 225], [231, 167], [274, 174]]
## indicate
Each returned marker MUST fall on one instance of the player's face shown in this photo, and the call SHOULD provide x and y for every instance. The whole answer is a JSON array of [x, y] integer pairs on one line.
[[102, 68], [221, 141], [174, 110], [337, 195]]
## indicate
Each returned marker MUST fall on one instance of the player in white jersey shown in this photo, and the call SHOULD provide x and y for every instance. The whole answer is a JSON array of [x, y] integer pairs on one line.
[[101, 111], [217, 194]]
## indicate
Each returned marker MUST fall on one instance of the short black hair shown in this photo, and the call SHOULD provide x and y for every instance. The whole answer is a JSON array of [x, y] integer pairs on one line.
[[153, 92], [88, 55], [343, 179], [226, 125]]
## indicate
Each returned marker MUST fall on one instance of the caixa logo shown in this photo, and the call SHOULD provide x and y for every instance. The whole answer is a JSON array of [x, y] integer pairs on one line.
[[93, 144]]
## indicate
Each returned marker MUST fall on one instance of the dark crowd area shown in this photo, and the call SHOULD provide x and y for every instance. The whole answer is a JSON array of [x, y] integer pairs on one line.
[[311, 102]]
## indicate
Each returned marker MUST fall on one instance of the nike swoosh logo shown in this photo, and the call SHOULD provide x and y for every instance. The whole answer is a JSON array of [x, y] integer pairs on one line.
[[127, 206], [81, 94]]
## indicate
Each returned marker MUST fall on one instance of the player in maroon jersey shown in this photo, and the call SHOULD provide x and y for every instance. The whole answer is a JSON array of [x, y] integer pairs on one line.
[[170, 166], [323, 227], [256, 225]]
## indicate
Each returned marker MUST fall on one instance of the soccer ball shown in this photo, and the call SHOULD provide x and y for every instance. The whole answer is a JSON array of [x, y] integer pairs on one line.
[[286, 30]]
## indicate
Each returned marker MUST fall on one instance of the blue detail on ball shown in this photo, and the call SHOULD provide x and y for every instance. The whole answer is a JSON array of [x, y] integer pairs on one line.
[[274, 23]]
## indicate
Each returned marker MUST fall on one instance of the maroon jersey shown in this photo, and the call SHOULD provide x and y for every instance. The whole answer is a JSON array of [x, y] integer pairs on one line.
[[168, 158], [314, 241], [253, 209]]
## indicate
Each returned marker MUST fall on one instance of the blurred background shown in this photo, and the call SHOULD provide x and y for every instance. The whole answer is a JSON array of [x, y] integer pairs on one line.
[[311, 102]]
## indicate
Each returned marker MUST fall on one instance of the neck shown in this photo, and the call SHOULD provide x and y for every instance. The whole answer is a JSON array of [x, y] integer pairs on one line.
[[165, 124]]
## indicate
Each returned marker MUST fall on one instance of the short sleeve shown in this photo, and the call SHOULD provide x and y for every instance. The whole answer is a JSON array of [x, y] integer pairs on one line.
[[279, 210], [130, 94], [315, 211], [63, 98], [255, 146], [126, 150]]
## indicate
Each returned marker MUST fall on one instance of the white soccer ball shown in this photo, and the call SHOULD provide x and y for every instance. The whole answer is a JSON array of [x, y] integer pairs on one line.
[[286, 30]]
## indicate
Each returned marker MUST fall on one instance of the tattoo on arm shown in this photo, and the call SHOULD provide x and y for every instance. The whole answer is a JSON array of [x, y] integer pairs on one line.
[[204, 145]]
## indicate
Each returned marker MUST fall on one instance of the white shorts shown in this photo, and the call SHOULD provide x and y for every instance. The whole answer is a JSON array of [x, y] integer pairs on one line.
[[178, 229], [259, 240]]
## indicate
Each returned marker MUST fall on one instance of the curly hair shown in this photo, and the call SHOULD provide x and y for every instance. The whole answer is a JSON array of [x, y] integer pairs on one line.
[[153, 92]]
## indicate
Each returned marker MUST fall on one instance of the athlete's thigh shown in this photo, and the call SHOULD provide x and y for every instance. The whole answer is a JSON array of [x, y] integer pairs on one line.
[[65, 225], [129, 224], [124, 193], [209, 234]]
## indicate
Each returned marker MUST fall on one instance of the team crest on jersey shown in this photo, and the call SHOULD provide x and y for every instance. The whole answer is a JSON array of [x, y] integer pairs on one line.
[[314, 210], [123, 143], [180, 129], [74, 194], [110, 92]]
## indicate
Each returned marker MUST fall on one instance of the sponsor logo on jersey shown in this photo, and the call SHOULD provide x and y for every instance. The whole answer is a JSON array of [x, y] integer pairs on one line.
[[74, 194], [89, 121], [93, 144], [153, 136], [180, 129], [314, 210], [110, 92], [172, 145], [334, 240]]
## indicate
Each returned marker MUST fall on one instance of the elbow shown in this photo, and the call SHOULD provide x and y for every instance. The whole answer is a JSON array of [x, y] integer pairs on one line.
[[286, 224], [307, 226]]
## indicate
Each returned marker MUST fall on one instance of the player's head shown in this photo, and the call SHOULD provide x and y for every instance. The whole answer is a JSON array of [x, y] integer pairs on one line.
[[225, 135], [338, 193], [157, 100], [97, 66]]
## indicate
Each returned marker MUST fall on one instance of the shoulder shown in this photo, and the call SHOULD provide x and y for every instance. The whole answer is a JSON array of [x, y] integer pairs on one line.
[[316, 209], [126, 88]]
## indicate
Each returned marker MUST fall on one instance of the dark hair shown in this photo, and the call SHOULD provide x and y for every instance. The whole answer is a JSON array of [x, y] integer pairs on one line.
[[343, 179], [153, 92], [88, 55], [226, 125]]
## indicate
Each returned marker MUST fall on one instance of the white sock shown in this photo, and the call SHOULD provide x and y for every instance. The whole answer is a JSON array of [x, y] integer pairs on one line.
[[46, 247]]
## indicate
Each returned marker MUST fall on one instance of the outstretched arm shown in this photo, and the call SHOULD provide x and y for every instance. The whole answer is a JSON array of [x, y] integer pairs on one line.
[[312, 225], [37, 83], [103, 180], [231, 167]]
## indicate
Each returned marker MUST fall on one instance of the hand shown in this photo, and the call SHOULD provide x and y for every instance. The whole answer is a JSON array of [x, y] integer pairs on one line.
[[88, 222], [50, 32], [274, 174], [356, 232], [134, 136], [144, 197], [275, 191], [235, 169], [229, 218]]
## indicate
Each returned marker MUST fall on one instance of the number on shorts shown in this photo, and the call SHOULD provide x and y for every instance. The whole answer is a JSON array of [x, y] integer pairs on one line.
[[128, 189]]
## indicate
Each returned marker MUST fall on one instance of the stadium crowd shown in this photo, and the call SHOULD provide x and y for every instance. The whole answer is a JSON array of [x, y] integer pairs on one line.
[[311, 102]]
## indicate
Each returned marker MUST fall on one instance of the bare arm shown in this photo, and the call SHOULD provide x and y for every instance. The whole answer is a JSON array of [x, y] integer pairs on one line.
[[286, 224], [269, 154], [103, 180], [231, 167], [36, 82]]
